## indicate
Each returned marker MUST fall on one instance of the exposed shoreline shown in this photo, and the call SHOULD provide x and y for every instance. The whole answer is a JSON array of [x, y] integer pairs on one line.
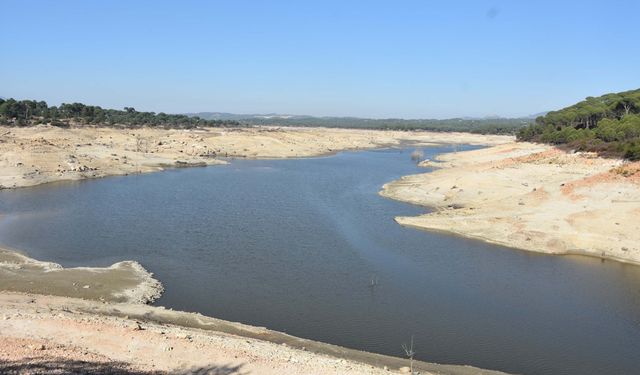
[[531, 197], [142, 338], [41, 154], [125, 281]]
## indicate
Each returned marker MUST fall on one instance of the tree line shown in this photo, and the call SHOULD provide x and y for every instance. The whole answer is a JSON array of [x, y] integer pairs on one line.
[[608, 124], [481, 126], [30, 112]]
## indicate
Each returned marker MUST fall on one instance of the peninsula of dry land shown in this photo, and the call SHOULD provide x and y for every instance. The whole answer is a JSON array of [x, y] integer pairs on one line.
[[533, 197]]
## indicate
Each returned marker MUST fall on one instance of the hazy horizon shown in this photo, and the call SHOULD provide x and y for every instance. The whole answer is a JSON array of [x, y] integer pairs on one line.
[[357, 59]]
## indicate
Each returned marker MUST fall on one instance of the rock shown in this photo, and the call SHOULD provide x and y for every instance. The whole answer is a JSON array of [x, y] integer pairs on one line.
[[404, 370], [86, 287]]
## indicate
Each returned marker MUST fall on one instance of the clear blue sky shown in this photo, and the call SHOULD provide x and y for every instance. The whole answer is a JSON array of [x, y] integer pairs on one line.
[[411, 59]]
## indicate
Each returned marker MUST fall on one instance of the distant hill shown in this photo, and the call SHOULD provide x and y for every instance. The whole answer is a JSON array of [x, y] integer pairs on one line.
[[231, 116], [608, 124], [536, 115], [493, 124]]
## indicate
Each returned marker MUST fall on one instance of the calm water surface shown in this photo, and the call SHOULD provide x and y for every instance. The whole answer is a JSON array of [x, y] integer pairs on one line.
[[294, 244]]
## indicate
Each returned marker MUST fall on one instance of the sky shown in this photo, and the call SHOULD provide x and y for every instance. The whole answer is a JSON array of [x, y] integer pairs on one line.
[[377, 59]]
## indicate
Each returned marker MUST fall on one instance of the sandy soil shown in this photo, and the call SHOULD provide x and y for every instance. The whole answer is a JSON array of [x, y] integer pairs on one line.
[[40, 154], [41, 334], [533, 197]]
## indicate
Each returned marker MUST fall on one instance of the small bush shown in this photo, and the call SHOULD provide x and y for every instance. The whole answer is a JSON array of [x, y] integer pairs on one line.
[[632, 151], [60, 124]]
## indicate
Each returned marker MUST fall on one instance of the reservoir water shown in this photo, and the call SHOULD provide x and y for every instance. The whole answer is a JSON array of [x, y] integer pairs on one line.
[[293, 245]]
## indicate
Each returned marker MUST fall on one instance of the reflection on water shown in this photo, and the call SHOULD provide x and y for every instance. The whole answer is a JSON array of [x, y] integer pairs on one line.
[[294, 244]]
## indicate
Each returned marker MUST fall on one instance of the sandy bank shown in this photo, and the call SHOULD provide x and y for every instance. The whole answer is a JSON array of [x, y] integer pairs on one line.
[[532, 197], [35, 155], [125, 281], [41, 333]]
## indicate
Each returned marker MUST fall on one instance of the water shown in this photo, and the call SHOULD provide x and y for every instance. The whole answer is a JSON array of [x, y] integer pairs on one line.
[[294, 244]]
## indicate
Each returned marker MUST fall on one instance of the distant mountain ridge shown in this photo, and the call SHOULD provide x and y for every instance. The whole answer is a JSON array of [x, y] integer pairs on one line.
[[248, 116], [235, 116], [490, 124], [536, 115]]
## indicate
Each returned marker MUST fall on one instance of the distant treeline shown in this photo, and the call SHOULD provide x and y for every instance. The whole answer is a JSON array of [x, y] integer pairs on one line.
[[31, 112], [608, 124], [483, 126]]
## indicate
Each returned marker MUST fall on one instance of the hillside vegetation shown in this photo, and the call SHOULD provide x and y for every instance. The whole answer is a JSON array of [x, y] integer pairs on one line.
[[31, 112], [608, 124]]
